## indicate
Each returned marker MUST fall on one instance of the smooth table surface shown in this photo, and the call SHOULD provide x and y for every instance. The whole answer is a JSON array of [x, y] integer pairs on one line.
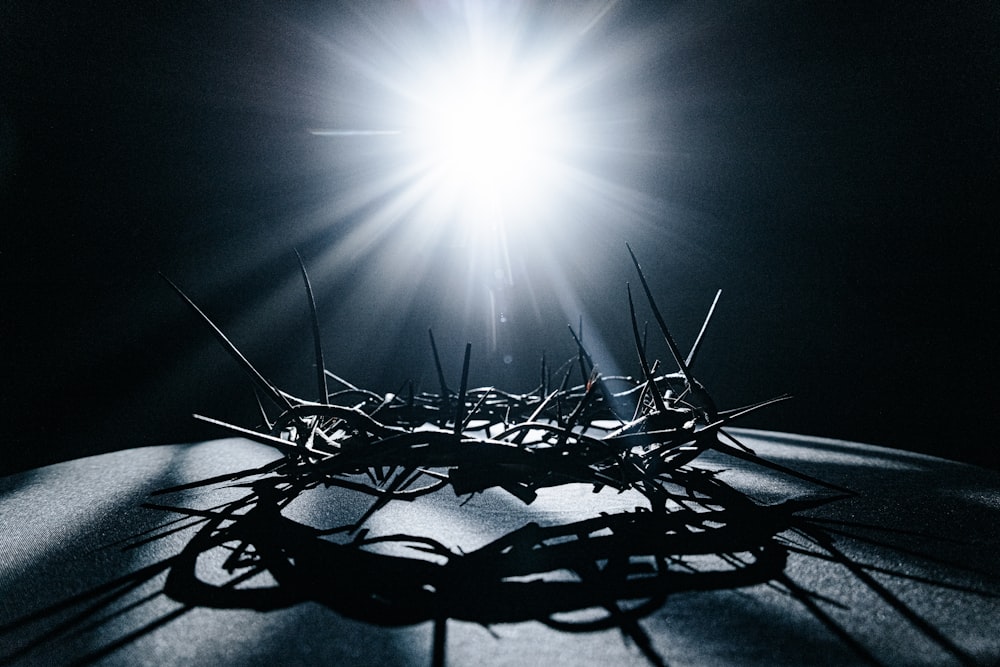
[[96, 568]]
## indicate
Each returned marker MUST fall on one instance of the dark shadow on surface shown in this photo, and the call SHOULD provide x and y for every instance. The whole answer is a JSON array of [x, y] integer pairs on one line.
[[622, 566], [606, 572]]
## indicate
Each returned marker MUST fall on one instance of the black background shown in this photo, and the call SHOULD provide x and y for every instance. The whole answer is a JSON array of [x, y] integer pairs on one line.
[[831, 167]]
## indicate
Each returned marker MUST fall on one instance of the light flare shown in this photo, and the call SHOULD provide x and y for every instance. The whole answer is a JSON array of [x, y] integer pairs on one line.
[[481, 146]]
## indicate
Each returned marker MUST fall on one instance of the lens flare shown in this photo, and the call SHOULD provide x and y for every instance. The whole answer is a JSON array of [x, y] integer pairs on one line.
[[488, 117], [479, 152]]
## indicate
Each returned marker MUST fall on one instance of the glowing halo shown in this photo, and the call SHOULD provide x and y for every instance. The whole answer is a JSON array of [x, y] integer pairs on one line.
[[484, 113], [478, 152]]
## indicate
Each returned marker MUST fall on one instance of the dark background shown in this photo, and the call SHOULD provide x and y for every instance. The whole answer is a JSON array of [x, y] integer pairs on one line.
[[831, 167]]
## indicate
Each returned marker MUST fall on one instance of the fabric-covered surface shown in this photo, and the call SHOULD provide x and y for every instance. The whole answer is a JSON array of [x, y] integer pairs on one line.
[[98, 564]]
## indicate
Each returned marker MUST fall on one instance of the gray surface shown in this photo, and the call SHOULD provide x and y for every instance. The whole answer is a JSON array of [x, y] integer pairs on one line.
[[910, 577]]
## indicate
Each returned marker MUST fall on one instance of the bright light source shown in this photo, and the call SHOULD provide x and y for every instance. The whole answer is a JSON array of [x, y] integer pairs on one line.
[[488, 141], [490, 146], [499, 128]]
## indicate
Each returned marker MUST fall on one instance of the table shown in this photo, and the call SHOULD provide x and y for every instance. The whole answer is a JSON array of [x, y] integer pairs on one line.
[[128, 558]]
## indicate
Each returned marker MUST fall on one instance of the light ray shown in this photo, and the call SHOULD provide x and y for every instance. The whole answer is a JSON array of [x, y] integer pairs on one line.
[[486, 131]]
